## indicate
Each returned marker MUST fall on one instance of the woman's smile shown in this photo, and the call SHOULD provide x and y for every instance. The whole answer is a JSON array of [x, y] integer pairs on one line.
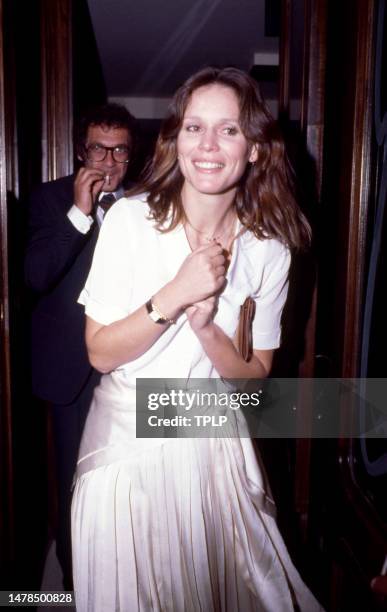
[[208, 166]]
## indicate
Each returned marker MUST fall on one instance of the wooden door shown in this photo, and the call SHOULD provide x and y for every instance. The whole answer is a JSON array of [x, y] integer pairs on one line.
[[345, 516], [6, 525], [343, 128], [35, 145]]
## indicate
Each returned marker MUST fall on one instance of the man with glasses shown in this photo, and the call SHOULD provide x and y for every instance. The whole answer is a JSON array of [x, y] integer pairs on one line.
[[64, 220]]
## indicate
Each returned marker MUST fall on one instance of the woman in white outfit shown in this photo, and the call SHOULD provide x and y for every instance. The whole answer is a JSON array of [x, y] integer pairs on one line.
[[187, 525]]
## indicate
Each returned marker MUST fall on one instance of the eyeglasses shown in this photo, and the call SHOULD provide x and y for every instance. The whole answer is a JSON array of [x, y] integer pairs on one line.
[[97, 153]]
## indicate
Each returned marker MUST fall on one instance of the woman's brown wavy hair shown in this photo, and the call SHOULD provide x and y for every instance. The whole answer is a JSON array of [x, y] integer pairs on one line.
[[264, 201]]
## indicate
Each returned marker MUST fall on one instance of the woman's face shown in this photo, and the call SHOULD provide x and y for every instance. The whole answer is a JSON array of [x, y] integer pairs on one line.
[[212, 150]]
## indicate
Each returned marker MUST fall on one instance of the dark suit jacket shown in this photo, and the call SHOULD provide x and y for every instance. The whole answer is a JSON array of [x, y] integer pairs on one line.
[[57, 263]]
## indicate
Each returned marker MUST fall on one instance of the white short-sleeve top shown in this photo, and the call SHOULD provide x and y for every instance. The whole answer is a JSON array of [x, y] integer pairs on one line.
[[133, 260]]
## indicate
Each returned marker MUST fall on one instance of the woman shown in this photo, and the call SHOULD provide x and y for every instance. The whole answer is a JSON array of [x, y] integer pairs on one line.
[[169, 524]]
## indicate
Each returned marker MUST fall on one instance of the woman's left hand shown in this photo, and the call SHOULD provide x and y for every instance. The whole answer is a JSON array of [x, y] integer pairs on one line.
[[201, 313]]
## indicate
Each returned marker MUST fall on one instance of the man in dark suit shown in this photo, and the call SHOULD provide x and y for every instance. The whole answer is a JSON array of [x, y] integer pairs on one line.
[[64, 219]]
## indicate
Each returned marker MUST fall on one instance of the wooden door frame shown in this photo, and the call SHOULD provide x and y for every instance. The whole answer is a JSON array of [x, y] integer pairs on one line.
[[359, 192], [57, 160], [312, 129], [57, 90], [6, 475]]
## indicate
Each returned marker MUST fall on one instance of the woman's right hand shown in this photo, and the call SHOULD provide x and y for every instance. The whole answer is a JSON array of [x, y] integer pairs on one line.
[[201, 275]]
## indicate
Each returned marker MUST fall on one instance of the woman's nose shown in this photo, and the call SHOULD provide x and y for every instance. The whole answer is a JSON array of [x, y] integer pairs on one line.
[[208, 141]]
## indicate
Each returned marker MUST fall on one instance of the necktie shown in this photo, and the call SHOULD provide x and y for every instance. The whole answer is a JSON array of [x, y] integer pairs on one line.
[[107, 201]]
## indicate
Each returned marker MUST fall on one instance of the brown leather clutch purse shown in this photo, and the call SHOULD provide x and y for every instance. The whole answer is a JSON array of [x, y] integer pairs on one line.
[[244, 333]]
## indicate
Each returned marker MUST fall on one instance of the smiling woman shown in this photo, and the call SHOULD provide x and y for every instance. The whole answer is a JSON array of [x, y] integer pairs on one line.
[[241, 128], [212, 149], [187, 524]]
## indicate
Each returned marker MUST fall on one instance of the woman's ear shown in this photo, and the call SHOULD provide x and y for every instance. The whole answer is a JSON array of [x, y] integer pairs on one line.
[[253, 154]]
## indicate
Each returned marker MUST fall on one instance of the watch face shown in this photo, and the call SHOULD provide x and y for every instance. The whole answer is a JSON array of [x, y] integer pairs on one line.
[[154, 316]]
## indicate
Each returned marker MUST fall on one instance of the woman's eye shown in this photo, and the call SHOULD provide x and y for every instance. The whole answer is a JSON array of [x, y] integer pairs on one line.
[[192, 128], [230, 131]]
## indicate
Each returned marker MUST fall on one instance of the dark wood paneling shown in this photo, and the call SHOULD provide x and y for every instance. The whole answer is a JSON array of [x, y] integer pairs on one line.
[[312, 127], [57, 109], [11, 136], [6, 513], [343, 210], [352, 533], [284, 58], [313, 94], [358, 190], [36, 66]]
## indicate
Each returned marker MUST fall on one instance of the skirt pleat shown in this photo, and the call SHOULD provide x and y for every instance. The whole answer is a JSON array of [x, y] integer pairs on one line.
[[182, 527]]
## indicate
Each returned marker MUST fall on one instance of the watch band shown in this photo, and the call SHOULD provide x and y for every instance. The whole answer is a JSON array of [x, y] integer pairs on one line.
[[156, 315]]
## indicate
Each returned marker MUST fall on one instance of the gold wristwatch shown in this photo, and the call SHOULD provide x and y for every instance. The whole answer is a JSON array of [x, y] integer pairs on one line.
[[156, 315]]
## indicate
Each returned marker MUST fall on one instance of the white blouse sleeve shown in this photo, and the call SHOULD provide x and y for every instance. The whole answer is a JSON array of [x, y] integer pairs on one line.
[[270, 297], [107, 293]]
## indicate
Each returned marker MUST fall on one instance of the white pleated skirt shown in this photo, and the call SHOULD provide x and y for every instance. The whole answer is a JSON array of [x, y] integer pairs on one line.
[[179, 525]]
